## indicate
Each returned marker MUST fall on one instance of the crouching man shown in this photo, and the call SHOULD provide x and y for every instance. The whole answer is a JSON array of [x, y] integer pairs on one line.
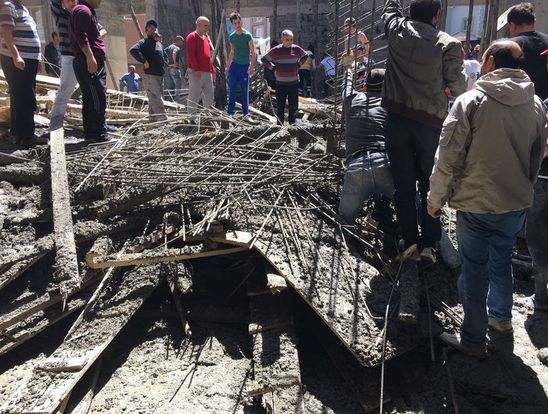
[[487, 162]]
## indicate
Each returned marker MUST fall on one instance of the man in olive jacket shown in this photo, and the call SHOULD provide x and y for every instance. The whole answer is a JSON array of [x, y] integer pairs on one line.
[[491, 147], [423, 69]]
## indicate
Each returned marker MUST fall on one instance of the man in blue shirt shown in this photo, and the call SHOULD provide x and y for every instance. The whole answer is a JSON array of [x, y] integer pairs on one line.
[[130, 81], [239, 69]]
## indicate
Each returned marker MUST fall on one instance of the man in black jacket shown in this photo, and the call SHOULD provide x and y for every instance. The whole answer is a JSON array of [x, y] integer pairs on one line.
[[521, 22], [424, 68], [150, 53]]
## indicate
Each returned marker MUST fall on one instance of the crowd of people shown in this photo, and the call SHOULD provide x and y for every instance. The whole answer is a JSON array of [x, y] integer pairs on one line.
[[472, 135], [433, 128]]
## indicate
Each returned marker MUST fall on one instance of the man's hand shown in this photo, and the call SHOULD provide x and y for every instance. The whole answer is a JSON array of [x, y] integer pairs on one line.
[[146, 65], [92, 64], [435, 213], [197, 75], [19, 62], [448, 92], [250, 70]]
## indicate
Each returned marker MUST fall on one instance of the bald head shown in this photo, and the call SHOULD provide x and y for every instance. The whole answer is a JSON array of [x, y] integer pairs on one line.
[[501, 54], [202, 25]]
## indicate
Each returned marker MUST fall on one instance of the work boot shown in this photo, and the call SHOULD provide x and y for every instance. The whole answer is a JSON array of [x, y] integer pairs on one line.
[[454, 341], [504, 327]]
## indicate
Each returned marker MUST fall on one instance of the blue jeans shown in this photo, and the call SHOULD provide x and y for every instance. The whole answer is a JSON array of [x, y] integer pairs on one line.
[[485, 248], [172, 83], [237, 74], [367, 174]]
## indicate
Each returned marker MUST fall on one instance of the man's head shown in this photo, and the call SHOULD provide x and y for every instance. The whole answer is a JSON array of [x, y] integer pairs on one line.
[[157, 36], [425, 11], [350, 25], [521, 18], [501, 54], [150, 28], [287, 38], [131, 69], [374, 81], [94, 3], [55, 38], [69, 5], [202, 25], [236, 20], [179, 41]]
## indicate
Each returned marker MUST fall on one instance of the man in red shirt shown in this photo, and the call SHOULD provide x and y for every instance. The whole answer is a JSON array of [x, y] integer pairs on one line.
[[200, 70]]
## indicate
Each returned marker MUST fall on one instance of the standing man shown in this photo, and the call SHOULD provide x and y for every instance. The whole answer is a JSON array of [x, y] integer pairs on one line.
[[239, 69], [19, 58], [200, 71], [353, 38], [130, 81], [286, 59], [89, 67], [52, 55], [424, 67], [61, 10], [150, 53], [521, 22], [173, 74], [490, 150]]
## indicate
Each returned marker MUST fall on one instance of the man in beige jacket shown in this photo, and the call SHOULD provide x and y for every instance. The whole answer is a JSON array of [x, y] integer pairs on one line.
[[491, 147]]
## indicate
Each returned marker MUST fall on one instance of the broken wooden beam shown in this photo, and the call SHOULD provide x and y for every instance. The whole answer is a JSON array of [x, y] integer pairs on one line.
[[155, 256], [113, 309], [66, 261]]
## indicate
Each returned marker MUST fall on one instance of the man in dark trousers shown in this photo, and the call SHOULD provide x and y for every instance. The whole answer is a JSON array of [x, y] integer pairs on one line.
[[521, 22], [150, 53], [89, 67], [286, 60], [423, 69], [53, 56]]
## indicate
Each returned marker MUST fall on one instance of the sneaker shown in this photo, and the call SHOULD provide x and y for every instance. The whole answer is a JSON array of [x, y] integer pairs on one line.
[[504, 327], [454, 341], [428, 255]]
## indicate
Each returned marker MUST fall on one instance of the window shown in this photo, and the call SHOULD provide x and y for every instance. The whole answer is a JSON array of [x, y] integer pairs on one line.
[[257, 19]]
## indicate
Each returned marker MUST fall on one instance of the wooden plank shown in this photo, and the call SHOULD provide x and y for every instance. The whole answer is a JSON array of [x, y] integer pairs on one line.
[[66, 261], [148, 257], [115, 306]]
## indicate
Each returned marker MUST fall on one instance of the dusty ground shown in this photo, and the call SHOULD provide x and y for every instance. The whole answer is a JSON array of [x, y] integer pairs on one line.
[[150, 367]]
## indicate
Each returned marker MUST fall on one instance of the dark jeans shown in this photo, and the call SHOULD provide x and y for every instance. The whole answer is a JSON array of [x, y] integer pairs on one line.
[[537, 240], [485, 248], [305, 82], [291, 94], [22, 85], [411, 147], [94, 100]]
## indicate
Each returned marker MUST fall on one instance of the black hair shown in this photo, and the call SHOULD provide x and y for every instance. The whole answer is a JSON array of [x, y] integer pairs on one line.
[[235, 16], [502, 53], [151, 23], [53, 34], [274, 43], [424, 10], [522, 13], [375, 79]]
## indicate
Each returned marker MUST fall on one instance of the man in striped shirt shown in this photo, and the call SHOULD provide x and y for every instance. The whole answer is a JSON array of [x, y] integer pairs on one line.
[[19, 58], [286, 60]]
